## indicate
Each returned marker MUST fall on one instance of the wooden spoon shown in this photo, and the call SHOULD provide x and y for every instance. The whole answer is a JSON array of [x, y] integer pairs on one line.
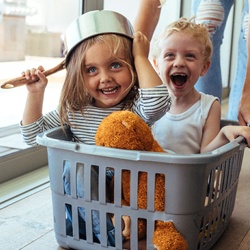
[[19, 81]]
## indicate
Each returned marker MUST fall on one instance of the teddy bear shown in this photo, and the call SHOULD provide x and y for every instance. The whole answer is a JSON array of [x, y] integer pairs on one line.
[[126, 130]]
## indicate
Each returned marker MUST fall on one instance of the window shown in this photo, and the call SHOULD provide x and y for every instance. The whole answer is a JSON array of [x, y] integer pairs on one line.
[[36, 38]]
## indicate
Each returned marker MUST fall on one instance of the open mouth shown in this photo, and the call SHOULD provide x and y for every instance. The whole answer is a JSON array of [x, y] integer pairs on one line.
[[109, 91], [179, 79]]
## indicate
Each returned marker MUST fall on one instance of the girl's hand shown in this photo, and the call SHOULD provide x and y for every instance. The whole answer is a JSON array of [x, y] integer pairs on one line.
[[140, 45], [32, 74], [147, 76]]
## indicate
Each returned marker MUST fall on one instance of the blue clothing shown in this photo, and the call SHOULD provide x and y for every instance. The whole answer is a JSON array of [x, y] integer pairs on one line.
[[211, 83], [237, 86], [94, 196]]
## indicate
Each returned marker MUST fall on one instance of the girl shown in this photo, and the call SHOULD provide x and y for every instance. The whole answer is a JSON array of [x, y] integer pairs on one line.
[[106, 72]]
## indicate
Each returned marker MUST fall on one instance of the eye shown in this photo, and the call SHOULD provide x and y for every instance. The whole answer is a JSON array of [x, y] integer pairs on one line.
[[91, 70], [116, 65], [169, 55], [190, 55]]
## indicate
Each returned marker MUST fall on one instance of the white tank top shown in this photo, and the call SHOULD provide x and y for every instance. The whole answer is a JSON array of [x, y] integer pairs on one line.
[[182, 133]]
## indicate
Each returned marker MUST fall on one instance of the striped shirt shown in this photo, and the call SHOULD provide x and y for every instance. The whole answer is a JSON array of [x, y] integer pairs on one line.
[[151, 105]]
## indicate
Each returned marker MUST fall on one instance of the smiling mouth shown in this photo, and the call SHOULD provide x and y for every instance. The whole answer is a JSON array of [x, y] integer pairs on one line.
[[109, 91], [179, 79]]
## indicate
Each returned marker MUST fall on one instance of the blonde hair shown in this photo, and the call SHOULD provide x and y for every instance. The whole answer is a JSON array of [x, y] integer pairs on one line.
[[187, 26], [74, 95]]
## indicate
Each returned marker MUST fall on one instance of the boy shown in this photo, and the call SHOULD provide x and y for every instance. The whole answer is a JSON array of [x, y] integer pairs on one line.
[[181, 54]]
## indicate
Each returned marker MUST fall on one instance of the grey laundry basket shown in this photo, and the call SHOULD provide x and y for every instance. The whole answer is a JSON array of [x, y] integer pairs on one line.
[[200, 190]]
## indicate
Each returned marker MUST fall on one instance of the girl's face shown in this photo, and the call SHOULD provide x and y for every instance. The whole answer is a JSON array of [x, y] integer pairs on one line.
[[107, 79], [181, 63]]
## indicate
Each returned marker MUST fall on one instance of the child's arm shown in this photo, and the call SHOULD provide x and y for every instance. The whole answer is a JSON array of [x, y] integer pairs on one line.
[[214, 137], [34, 101], [229, 133], [147, 8], [147, 76], [211, 127]]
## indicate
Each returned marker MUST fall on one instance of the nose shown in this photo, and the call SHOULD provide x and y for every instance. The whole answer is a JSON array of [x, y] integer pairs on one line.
[[105, 76], [179, 62]]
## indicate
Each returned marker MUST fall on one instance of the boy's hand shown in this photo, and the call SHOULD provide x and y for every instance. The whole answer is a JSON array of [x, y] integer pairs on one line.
[[32, 74], [231, 132], [140, 45]]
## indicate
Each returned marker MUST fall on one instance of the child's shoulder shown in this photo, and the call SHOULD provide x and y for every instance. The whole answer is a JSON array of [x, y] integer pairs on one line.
[[207, 102], [206, 98]]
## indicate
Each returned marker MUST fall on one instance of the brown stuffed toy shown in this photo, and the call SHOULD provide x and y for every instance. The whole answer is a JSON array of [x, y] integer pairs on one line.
[[126, 130]]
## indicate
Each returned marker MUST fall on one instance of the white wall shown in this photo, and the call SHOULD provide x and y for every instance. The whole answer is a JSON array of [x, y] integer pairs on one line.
[[53, 16], [170, 11]]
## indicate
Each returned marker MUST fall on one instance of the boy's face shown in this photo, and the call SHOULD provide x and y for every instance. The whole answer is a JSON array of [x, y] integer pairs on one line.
[[181, 62]]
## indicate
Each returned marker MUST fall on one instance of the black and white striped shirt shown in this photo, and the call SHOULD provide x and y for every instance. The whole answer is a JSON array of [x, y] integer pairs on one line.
[[151, 105]]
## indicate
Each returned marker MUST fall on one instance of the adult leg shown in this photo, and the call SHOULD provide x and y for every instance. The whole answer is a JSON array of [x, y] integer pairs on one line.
[[214, 14], [237, 85]]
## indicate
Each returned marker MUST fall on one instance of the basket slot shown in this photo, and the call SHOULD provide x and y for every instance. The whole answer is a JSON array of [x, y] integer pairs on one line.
[[67, 226], [218, 181], [225, 177], [69, 173], [214, 185]]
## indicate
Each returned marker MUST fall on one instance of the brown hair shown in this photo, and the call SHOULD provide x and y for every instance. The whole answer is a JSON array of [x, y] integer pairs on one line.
[[74, 95], [188, 26]]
